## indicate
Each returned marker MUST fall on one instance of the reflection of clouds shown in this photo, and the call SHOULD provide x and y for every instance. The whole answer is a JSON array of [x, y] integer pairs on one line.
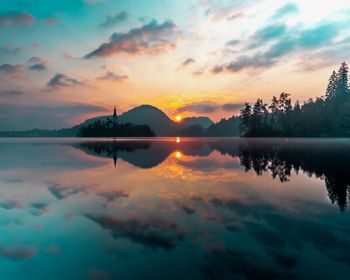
[[153, 233], [98, 275], [284, 237], [39, 208], [18, 253], [60, 192], [11, 204], [53, 250]]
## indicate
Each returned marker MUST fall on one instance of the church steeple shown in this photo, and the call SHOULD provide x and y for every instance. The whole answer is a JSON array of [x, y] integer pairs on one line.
[[115, 117]]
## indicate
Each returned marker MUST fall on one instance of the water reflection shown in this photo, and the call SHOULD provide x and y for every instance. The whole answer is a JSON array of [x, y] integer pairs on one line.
[[174, 208], [327, 160]]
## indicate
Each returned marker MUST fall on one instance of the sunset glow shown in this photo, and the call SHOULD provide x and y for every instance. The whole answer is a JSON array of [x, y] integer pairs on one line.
[[178, 154], [178, 118], [194, 58]]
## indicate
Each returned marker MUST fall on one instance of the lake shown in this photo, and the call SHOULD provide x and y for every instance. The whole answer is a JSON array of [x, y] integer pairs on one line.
[[171, 208]]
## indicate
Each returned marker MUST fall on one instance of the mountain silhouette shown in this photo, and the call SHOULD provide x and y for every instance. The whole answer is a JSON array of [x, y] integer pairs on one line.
[[155, 118]]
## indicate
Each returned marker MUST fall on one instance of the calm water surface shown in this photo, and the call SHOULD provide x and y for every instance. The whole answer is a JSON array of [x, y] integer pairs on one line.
[[174, 209]]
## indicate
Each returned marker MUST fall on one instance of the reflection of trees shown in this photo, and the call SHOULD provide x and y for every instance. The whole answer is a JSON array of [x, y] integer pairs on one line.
[[327, 161]]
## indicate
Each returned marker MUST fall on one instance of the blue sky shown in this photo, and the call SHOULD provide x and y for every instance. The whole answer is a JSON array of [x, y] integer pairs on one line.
[[181, 56]]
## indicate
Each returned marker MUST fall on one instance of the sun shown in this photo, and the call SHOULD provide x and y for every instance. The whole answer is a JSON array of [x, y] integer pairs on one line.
[[178, 154], [178, 118]]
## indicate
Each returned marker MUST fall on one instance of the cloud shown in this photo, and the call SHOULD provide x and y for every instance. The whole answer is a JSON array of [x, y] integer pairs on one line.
[[187, 62], [266, 34], [231, 107], [16, 18], [10, 93], [21, 117], [8, 50], [113, 20], [37, 63], [198, 108], [11, 70], [235, 16], [287, 9], [320, 35], [143, 40], [207, 107], [198, 73], [113, 77], [61, 80], [311, 38], [232, 43]]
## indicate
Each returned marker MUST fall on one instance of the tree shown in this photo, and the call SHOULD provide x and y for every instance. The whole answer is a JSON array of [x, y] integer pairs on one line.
[[245, 119], [342, 83], [331, 88]]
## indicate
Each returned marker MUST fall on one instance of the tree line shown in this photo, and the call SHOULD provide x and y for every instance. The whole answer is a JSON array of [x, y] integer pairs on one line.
[[325, 116], [109, 129]]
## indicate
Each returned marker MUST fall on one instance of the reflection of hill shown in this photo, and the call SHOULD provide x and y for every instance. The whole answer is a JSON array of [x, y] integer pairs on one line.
[[326, 159], [143, 154]]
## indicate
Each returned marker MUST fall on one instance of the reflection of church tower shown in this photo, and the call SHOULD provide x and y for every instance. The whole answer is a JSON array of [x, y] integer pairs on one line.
[[115, 117]]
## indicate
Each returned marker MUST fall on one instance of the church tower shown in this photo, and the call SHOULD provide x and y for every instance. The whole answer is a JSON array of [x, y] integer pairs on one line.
[[115, 117]]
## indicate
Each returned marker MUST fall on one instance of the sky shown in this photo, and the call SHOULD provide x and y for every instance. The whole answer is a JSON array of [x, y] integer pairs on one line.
[[64, 61]]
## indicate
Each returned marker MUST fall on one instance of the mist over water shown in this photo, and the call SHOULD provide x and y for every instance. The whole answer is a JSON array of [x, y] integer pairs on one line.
[[172, 208]]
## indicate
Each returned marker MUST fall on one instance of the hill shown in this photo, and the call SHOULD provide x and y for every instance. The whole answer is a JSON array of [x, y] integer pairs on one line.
[[204, 122]]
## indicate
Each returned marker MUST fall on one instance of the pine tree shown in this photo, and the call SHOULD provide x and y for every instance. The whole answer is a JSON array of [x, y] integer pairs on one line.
[[342, 84], [331, 88]]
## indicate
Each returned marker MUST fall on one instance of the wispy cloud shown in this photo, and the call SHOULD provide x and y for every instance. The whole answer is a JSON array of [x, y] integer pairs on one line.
[[9, 50], [61, 80], [267, 33], [187, 62], [116, 19], [16, 18], [287, 9], [113, 77], [10, 93], [209, 107]]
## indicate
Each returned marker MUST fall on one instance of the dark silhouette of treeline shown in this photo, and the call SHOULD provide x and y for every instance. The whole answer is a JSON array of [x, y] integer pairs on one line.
[[327, 160], [326, 116], [105, 129]]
